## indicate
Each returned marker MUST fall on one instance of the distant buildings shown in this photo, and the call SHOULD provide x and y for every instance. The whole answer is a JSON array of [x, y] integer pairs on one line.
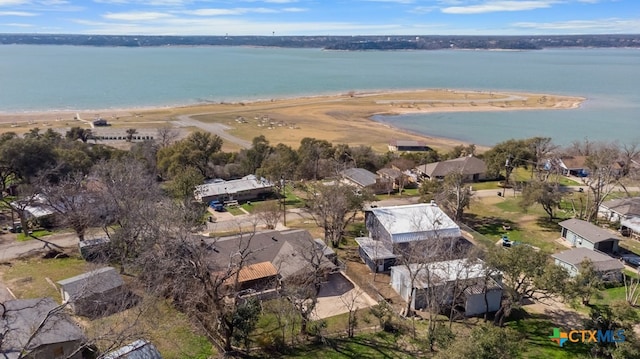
[[408, 146]]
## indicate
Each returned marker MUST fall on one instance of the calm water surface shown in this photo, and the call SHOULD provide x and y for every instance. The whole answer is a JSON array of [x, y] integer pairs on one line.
[[43, 78]]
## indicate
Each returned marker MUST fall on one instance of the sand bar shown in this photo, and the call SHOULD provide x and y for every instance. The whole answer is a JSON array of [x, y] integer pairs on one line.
[[342, 118]]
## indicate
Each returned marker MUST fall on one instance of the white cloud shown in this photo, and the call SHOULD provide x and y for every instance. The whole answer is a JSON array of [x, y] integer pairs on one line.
[[223, 12], [14, 24], [394, 1], [136, 16], [600, 26], [13, 2], [294, 9], [17, 13], [146, 2], [499, 6]]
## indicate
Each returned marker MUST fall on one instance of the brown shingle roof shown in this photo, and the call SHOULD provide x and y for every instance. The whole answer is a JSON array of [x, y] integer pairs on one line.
[[468, 166]]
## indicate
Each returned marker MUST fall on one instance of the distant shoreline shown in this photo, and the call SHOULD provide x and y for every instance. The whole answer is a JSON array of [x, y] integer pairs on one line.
[[339, 118]]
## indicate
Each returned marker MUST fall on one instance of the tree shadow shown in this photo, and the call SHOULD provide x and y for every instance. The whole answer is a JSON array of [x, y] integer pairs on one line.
[[549, 226], [490, 226]]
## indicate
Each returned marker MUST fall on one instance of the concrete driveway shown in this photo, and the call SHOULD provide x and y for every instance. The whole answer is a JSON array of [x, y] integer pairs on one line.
[[338, 294]]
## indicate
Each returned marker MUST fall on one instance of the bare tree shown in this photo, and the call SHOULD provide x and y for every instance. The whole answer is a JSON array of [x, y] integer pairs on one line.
[[302, 289], [166, 135], [128, 200], [269, 213], [333, 207], [455, 194], [604, 174], [350, 300], [73, 200]]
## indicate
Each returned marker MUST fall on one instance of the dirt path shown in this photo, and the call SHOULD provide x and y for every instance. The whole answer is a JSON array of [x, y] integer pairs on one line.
[[215, 128], [558, 313]]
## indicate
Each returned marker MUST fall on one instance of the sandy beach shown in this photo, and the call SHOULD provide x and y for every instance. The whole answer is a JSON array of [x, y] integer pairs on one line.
[[341, 118]]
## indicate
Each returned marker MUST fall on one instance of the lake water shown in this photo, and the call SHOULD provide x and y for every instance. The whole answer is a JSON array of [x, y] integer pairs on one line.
[[43, 78]]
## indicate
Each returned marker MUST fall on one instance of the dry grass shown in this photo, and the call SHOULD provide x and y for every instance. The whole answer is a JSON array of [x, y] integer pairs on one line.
[[337, 119]]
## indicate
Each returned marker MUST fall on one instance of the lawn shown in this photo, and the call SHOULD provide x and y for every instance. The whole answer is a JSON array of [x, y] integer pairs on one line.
[[536, 343], [27, 278], [488, 215]]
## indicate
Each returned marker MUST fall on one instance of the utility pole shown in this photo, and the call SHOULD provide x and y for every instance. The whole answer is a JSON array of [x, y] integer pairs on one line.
[[284, 201]]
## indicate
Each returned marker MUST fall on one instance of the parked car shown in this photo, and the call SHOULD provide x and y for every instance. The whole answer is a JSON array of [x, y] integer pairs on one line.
[[631, 259]]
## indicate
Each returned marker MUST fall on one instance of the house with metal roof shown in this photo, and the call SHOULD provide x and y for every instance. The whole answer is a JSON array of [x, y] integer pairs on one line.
[[393, 229], [609, 268], [473, 169], [461, 284], [246, 188], [581, 233], [38, 328]]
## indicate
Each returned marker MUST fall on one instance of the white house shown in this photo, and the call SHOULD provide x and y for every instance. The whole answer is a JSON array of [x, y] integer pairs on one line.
[[458, 282], [392, 229]]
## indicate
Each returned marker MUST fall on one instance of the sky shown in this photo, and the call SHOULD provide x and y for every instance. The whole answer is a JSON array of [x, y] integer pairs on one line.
[[320, 17]]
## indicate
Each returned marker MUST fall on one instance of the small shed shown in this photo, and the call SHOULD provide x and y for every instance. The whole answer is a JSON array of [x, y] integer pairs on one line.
[[375, 255], [584, 234], [94, 293]]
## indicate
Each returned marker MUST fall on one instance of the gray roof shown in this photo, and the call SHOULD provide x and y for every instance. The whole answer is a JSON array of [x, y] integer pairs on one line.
[[360, 176], [288, 251], [244, 184], [467, 165], [601, 262], [624, 206], [374, 249], [23, 315], [407, 143], [140, 349], [588, 231], [390, 172], [95, 282]]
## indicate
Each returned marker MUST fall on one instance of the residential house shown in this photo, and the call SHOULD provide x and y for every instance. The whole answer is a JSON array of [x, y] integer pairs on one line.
[[96, 293], [273, 258], [609, 268], [58, 337], [626, 211], [472, 168], [573, 166], [246, 188], [581, 233], [397, 178], [392, 229], [407, 146], [139, 349], [456, 283], [364, 179]]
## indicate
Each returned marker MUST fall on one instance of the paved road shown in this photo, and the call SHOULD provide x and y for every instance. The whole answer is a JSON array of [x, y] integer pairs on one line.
[[10, 248], [215, 128]]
